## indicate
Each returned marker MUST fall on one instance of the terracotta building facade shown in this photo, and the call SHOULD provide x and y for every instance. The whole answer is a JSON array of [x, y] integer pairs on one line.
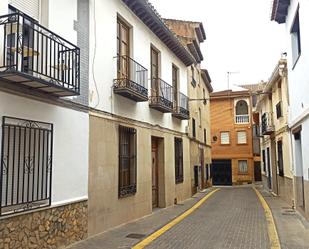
[[231, 131]]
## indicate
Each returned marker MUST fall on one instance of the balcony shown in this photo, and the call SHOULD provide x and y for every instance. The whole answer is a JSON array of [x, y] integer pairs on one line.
[[161, 98], [34, 57], [242, 119], [131, 79], [267, 124], [181, 109]]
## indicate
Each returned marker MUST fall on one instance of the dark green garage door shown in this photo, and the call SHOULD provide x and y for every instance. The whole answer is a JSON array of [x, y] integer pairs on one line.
[[222, 172]]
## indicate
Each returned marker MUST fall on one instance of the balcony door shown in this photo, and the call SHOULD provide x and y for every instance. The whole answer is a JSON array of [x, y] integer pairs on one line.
[[175, 80], [154, 72], [123, 50]]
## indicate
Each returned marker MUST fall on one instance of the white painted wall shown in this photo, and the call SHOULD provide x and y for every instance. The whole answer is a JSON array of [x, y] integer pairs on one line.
[[104, 16], [299, 83], [299, 76], [70, 144]]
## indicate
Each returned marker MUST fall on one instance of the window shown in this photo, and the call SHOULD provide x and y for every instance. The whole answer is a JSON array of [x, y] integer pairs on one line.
[[123, 49], [193, 81], [26, 163], [295, 39], [225, 137], [178, 160], [200, 116], [175, 80], [204, 97], [154, 70], [205, 136], [193, 128], [278, 110], [127, 161], [280, 158], [242, 112], [241, 137], [243, 166]]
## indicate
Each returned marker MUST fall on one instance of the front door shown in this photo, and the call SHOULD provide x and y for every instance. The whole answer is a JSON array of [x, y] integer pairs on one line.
[[202, 169], [257, 172], [155, 189]]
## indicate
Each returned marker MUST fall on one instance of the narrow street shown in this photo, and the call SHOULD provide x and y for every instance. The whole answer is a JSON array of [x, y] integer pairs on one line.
[[231, 218]]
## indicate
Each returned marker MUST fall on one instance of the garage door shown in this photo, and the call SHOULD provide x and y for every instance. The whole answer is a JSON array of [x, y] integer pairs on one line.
[[222, 172]]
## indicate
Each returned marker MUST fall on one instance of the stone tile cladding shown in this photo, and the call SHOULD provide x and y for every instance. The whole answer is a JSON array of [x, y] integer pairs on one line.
[[49, 228]]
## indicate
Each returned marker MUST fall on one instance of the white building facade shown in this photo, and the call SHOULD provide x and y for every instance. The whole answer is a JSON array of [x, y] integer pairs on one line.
[[139, 151], [44, 123], [294, 16]]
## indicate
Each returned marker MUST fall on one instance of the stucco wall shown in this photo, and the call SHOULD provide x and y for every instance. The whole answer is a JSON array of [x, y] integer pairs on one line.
[[106, 210], [104, 68], [299, 75], [70, 143]]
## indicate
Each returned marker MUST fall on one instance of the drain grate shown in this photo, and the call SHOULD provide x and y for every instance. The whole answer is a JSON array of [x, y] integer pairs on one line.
[[135, 236]]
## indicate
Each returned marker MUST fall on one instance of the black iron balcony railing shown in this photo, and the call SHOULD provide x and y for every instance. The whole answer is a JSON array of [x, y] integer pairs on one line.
[[36, 58], [161, 97], [181, 107], [267, 124], [131, 79]]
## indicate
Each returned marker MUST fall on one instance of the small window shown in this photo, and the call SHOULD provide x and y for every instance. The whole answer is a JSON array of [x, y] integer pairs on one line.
[[241, 137], [26, 164], [178, 160], [278, 110], [243, 166], [295, 38], [225, 138], [193, 81], [205, 136], [200, 116], [193, 128], [127, 161], [204, 96]]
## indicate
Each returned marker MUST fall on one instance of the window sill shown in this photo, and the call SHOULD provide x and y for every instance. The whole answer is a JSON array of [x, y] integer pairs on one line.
[[225, 144], [243, 173]]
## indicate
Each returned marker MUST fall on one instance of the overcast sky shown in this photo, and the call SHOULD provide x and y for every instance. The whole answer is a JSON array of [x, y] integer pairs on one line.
[[240, 37]]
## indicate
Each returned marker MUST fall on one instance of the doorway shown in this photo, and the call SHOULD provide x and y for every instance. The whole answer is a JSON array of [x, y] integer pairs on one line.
[[268, 168], [257, 171], [300, 193], [202, 169], [222, 172], [155, 182], [157, 172]]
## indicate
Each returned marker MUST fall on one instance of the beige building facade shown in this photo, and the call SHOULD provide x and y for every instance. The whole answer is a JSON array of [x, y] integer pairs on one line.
[[192, 34], [139, 150], [106, 208], [272, 108]]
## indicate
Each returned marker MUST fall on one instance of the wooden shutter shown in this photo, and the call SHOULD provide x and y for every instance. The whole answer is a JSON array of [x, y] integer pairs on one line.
[[241, 137], [225, 137], [29, 7]]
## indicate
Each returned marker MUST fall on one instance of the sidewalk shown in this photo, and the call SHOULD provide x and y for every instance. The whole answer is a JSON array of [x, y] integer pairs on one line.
[[127, 235], [292, 228]]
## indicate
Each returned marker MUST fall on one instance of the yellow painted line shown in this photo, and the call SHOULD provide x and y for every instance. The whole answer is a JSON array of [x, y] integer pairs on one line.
[[168, 226], [272, 231]]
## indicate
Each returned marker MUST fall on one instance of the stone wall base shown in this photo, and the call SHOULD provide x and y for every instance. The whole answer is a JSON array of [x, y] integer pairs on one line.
[[49, 228], [286, 189]]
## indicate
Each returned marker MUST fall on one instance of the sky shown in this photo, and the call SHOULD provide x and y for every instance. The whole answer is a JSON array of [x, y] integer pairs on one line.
[[240, 37]]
